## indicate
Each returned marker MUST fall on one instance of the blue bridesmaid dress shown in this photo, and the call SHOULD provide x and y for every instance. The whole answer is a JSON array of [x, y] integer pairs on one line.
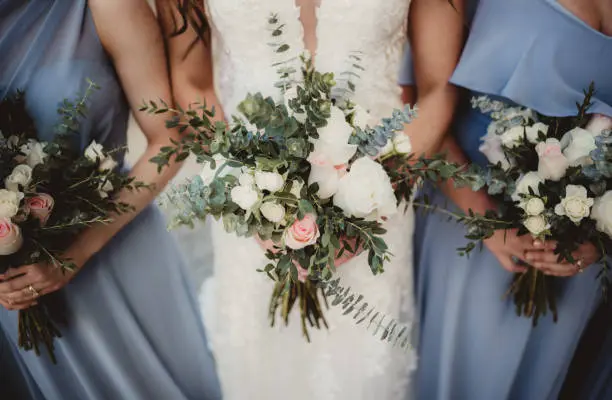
[[134, 330], [472, 345]]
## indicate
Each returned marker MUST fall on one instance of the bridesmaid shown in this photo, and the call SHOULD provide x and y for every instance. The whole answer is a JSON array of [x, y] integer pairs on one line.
[[134, 330], [540, 54]]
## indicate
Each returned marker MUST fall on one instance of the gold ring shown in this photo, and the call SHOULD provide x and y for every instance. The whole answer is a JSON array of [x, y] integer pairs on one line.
[[33, 291]]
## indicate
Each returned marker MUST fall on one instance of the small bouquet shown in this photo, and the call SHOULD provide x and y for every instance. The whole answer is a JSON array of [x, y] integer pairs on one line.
[[552, 178], [310, 171], [50, 192]]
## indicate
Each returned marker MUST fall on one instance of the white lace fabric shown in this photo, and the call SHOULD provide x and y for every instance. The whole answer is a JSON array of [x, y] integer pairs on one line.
[[254, 360]]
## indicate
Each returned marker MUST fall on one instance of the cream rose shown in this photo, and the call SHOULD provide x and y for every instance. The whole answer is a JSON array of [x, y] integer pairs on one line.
[[34, 153], [602, 213], [534, 206], [577, 146], [366, 191], [21, 175], [530, 180], [552, 163], [10, 237], [272, 211], [9, 203], [245, 196], [536, 224], [270, 181], [302, 233], [576, 204], [40, 207]]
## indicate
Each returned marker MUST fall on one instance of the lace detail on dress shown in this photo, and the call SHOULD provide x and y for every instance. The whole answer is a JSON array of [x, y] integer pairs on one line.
[[346, 361]]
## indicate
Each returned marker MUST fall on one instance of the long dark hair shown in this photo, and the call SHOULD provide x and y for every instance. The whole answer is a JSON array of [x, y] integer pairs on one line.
[[192, 15]]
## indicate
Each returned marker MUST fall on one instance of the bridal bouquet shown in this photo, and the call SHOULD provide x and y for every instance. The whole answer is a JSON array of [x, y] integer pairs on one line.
[[49, 192], [310, 171], [553, 180]]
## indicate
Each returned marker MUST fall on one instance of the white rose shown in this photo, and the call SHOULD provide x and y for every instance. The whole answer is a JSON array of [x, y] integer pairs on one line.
[[246, 179], [533, 131], [327, 177], [575, 205], [534, 206], [599, 123], [270, 181], [602, 213], [552, 163], [9, 203], [273, 212], [105, 188], [21, 175], [94, 151], [366, 191], [577, 145], [536, 224], [513, 136], [387, 149], [332, 146], [291, 94], [108, 164], [245, 196], [529, 180], [402, 143], [33, 152], [493, 150]]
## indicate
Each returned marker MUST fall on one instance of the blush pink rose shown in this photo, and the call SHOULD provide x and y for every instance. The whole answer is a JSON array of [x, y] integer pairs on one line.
[[10, 237], [40, 207], [302, 233], [552, 162]]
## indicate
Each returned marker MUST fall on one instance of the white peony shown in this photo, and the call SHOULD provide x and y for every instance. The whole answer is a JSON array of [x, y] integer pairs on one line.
[[272, 211], [21, 175], [552, 163], [576, 204], [602, 213], [493, 150], [536, 224], [9, 203], [534, 206], [577, 145], [366, 191], [270, 181], [245, 196], [530, 180], [34, 152], [332, 147], [327, 177]]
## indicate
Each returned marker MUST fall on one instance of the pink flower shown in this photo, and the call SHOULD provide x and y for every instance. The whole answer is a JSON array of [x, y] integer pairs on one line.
[[10, 237], [302, 233], [553, 164], [40, 207]]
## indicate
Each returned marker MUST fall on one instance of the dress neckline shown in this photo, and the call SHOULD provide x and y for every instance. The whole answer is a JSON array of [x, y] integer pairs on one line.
[[575, 19]]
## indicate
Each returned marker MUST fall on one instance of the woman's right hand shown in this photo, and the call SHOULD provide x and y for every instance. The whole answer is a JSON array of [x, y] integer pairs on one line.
[[346, 257], [508, 248]]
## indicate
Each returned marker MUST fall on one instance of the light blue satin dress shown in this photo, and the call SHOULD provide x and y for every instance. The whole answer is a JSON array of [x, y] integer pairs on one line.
[[134, 330], [472, 344]]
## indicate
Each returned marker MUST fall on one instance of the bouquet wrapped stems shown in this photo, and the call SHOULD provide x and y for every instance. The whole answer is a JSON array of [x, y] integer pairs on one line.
[[36, 328], [534, 294]]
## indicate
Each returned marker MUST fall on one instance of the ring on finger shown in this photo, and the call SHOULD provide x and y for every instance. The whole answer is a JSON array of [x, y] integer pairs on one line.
[[579, 265], [33, 292]]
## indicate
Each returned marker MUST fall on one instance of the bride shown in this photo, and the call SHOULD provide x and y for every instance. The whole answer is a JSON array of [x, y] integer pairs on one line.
[[254, 360]]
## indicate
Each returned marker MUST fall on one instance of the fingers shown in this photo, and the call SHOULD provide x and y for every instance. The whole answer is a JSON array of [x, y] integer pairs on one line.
[[540, 256], [9, 305], [556, 269], [13, 272], [511, 266], [15, 284]]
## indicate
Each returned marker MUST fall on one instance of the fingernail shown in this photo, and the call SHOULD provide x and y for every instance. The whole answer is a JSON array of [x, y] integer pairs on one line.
[[537, 243]]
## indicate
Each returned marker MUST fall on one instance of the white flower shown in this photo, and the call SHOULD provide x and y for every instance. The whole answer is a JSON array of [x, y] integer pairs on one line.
[[94, 151], [534, 206], [513, 136], [108, 164], [577, 145], [602, 213], [246, 179], [599, 123], [332, 146], [575, 205], [362, 118], [296, 188], [12, 142], [21, 175], [33, 152], [327, 177], [272, 211], [366, 191], [402, 144], [105, 188], [533, 131], [245, 196], [387, 149], [552, 163], [493, 150], [536, 224], [530, 180], [270, 181], [9, 203]]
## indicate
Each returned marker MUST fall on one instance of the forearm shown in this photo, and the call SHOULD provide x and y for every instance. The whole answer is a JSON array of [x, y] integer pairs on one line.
[[187, 93]]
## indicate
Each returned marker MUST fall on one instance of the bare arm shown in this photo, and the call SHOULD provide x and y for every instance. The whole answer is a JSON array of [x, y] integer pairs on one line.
[[190, 59]]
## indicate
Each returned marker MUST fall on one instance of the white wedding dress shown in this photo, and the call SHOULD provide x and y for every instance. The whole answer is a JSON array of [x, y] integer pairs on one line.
[[254, 360]]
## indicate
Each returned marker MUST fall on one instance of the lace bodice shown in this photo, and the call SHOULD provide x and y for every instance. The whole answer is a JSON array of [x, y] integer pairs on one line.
[[244, 59]]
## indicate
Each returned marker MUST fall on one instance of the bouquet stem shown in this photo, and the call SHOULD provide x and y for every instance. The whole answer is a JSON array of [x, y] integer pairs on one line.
[[306, 294], [36, 328], [533, 294]]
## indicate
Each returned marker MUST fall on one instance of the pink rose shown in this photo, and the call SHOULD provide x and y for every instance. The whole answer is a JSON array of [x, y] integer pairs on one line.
[[10, 237], [302, 233], [40, 207], [553, 163]]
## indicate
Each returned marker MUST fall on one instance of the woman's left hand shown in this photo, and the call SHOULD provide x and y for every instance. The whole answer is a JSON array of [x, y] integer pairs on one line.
[[21, 287], [548, 262]]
